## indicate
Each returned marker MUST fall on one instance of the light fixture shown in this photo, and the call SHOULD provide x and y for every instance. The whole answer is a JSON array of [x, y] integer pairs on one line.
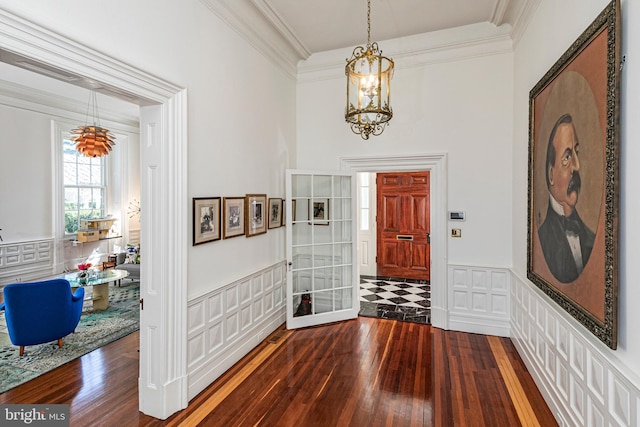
[[134, 209], [93, 140], [368, 87]]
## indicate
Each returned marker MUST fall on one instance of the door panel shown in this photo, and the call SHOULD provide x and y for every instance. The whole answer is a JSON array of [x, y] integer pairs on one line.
[[392, 254], [321, 245], [403, 225], [419, 257], [392, 206]]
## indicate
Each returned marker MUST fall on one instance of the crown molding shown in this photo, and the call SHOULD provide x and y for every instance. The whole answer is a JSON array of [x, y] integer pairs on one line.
[[499, 10], [22, 40], [249, 21], [455, 44], [282, 28], [258, 23], [522, 20], [25, 98]]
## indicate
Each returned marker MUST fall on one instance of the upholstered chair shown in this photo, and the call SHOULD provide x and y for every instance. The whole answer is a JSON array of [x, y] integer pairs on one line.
[[39, 312]]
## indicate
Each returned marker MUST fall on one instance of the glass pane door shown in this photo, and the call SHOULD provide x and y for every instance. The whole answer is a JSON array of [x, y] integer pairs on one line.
[[321, 248]]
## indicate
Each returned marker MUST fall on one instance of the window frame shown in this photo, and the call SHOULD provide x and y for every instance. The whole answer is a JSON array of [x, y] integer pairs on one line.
[[62, 133]]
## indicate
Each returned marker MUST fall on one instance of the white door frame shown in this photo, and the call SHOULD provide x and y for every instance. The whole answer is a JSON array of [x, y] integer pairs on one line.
[[163, 363], [436, 164], [367, 239]]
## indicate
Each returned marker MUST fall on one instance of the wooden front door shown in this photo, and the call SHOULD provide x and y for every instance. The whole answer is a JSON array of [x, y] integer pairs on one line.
[[403, 225]]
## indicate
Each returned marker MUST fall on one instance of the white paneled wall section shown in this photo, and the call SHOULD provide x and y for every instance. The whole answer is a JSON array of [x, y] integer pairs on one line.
[[479, 300], [24, 261], [226, 323], [582, 382]]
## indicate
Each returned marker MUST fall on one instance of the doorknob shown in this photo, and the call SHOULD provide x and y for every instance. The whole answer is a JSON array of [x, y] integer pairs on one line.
[[429, 238]]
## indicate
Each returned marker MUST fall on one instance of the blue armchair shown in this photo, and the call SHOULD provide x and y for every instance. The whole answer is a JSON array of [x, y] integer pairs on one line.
[[40, 312]]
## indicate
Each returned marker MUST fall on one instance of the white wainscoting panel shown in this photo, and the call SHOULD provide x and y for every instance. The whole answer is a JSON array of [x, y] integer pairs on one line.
[[24, 261], [580, 378], [227, 323], [479, 300]]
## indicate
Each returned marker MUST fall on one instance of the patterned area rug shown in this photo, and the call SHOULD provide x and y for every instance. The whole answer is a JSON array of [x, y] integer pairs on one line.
[[96, 328]]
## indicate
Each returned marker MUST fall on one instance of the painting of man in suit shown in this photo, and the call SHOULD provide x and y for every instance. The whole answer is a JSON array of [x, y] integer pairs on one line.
[[573, 195], [568, 190], [565, 239]]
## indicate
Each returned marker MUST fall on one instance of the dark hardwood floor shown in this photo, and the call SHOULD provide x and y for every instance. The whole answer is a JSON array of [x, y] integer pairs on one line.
[[363, 372]]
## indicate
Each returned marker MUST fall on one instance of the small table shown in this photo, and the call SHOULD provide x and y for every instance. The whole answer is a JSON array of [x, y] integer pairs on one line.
[[100, 282]]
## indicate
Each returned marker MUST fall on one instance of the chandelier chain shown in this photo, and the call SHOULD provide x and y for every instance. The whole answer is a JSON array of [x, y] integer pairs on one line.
[[368, 22]]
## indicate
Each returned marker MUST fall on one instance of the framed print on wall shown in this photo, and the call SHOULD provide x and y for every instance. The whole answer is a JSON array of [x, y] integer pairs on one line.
[[275, 213], [255, 207], [206, 219], [572, 249], [233, 217], [319, 211]]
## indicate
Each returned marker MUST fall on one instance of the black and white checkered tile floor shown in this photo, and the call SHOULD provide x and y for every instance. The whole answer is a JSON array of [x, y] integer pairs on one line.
[[394, 298]]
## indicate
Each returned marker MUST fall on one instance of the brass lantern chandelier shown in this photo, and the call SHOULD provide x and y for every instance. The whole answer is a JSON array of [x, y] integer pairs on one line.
[[368, 87], [93, 140]]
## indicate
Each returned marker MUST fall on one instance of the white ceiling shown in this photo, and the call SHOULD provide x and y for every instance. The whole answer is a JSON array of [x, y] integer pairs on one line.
[[322, 25]]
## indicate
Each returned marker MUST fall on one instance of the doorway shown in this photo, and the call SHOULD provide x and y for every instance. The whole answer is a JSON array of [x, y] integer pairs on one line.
[[163, 366], [394, 256], [436, 164]]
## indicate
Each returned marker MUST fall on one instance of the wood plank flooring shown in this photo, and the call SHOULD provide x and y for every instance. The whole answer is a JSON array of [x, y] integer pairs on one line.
[[363, 372]]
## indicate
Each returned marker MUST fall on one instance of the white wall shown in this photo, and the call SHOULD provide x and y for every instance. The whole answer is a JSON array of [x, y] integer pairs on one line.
[[461, 106], [241, 107], [26, 200]]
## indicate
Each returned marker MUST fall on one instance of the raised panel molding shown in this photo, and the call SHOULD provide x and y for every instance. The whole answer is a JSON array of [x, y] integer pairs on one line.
[[237, 317], [581, 381], [479, 300], [25, 261]]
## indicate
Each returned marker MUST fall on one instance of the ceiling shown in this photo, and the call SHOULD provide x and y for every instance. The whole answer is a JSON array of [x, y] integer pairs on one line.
[[293, 30], [332, 24]]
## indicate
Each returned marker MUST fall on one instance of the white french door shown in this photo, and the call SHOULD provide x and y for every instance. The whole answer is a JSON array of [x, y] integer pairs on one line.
[[322, 283]]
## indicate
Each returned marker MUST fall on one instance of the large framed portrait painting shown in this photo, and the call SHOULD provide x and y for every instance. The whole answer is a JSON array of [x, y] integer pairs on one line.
[[573, 178]]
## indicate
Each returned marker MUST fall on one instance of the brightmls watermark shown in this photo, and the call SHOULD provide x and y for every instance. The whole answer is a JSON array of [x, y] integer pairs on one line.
[[34, 415]]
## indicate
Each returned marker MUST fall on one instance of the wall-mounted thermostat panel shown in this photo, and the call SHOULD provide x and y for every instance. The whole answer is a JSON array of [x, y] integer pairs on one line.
[[456, 216]]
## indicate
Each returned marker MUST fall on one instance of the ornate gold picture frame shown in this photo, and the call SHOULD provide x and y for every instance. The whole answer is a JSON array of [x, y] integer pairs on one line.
[[573, 178]]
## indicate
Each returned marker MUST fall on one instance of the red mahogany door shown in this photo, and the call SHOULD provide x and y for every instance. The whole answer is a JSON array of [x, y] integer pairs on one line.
[[403, 225]]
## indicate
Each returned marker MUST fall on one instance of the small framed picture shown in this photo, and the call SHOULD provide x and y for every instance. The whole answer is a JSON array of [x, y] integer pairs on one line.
[[255, 208], [206, 219], [233, 217], [319, 211], [275, 213]]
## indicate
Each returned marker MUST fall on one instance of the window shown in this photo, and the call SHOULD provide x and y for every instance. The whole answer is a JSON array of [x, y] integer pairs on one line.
[[84, 186]]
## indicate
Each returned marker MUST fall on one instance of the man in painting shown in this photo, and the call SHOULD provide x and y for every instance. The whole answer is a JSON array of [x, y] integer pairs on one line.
[[566, 241]]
